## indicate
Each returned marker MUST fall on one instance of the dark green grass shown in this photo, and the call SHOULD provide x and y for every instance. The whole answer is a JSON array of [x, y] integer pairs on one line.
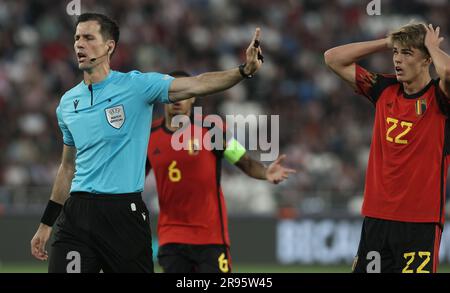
[[36, 267]]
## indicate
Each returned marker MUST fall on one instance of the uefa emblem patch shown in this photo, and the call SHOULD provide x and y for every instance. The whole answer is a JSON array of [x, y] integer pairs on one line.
[[115, 116]]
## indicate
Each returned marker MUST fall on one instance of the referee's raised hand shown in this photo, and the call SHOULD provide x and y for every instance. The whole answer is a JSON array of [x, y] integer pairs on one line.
[[254, 54]]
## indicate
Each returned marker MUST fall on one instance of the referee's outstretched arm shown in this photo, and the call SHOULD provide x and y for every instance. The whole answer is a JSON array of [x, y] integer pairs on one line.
[[211, 82], [60, 193]]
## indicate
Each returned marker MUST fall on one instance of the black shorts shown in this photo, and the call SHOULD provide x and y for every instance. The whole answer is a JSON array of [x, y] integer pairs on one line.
[[398, 247], [102, 232], [188, 258]]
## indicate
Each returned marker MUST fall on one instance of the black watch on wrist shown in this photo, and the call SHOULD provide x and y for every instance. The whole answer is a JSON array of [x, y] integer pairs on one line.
[[241, 71]]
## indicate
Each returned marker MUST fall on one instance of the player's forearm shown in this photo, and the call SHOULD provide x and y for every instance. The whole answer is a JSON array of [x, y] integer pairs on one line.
[[346, 55], [441, 61], [252, 168], [204, 84], [61, 187]]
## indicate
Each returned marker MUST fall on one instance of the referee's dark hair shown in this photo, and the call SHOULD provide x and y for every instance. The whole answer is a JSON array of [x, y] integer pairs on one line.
[[108, 27], [179, 73]]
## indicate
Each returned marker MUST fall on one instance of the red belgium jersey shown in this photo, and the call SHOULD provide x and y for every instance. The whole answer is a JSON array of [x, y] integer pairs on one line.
[[407, 169], [192, 206]]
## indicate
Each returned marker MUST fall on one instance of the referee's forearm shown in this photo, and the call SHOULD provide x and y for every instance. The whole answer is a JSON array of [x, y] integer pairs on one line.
[[61, 187], [213, 82], [203, 84]]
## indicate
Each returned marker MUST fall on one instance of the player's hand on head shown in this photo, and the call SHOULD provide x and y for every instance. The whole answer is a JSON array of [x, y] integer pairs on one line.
[[39, 241], [277, 173], [389, 43], [253, 54], [432, 38]]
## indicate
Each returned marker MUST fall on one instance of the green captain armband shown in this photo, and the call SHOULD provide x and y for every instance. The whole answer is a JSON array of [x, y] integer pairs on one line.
[[234, 151]]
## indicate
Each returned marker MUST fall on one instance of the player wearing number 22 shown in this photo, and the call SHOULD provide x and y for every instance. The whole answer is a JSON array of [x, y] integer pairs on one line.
[[407, 170], [192, 223]]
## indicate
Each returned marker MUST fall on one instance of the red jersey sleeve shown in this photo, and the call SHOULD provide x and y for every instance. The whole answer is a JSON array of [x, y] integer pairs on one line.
[[370, 84], [156, 124]]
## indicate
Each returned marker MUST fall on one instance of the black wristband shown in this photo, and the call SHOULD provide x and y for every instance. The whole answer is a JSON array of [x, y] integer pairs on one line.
[[241, 71], [51, 213]]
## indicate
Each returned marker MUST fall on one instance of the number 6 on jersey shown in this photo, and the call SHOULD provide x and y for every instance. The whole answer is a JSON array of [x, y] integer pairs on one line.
[[174, 172]]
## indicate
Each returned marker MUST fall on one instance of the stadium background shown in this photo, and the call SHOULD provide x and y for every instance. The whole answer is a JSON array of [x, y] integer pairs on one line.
[[311, 222]]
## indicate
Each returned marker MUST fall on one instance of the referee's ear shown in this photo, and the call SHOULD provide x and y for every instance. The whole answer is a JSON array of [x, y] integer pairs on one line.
[[111, 46]]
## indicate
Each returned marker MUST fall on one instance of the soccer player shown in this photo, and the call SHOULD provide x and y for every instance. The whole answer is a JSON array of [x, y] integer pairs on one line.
[[192, 224], [105, 122], [407, 170]]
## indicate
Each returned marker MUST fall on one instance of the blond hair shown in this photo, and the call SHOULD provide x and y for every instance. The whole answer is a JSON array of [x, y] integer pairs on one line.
[[411, 36]]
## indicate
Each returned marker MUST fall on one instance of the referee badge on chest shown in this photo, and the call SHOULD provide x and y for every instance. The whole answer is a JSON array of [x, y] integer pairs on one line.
[[115, 116]]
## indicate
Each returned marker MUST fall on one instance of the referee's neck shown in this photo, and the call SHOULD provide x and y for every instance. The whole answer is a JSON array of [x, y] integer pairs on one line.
[[96, 74]]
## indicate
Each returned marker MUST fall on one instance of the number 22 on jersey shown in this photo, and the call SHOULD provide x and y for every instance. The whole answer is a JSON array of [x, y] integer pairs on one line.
[[393, 124]]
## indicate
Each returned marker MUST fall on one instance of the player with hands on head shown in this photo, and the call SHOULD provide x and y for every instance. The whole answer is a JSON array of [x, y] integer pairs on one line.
[[404, 195]]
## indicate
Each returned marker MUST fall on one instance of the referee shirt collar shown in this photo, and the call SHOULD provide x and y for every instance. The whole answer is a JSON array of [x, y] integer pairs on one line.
[[101, 84]]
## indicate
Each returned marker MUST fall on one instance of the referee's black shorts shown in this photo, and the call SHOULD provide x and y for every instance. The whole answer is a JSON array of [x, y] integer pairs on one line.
[[398, 247], [102, 232]]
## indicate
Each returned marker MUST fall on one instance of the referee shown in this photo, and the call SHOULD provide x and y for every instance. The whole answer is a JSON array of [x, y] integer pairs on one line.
[[105, 122]]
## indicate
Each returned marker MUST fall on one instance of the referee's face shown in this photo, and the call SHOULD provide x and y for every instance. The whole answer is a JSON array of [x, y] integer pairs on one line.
[[89, 44]]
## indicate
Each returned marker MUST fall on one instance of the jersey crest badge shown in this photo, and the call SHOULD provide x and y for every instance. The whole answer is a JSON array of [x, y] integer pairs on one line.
[[115, 116], [421, 106]]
